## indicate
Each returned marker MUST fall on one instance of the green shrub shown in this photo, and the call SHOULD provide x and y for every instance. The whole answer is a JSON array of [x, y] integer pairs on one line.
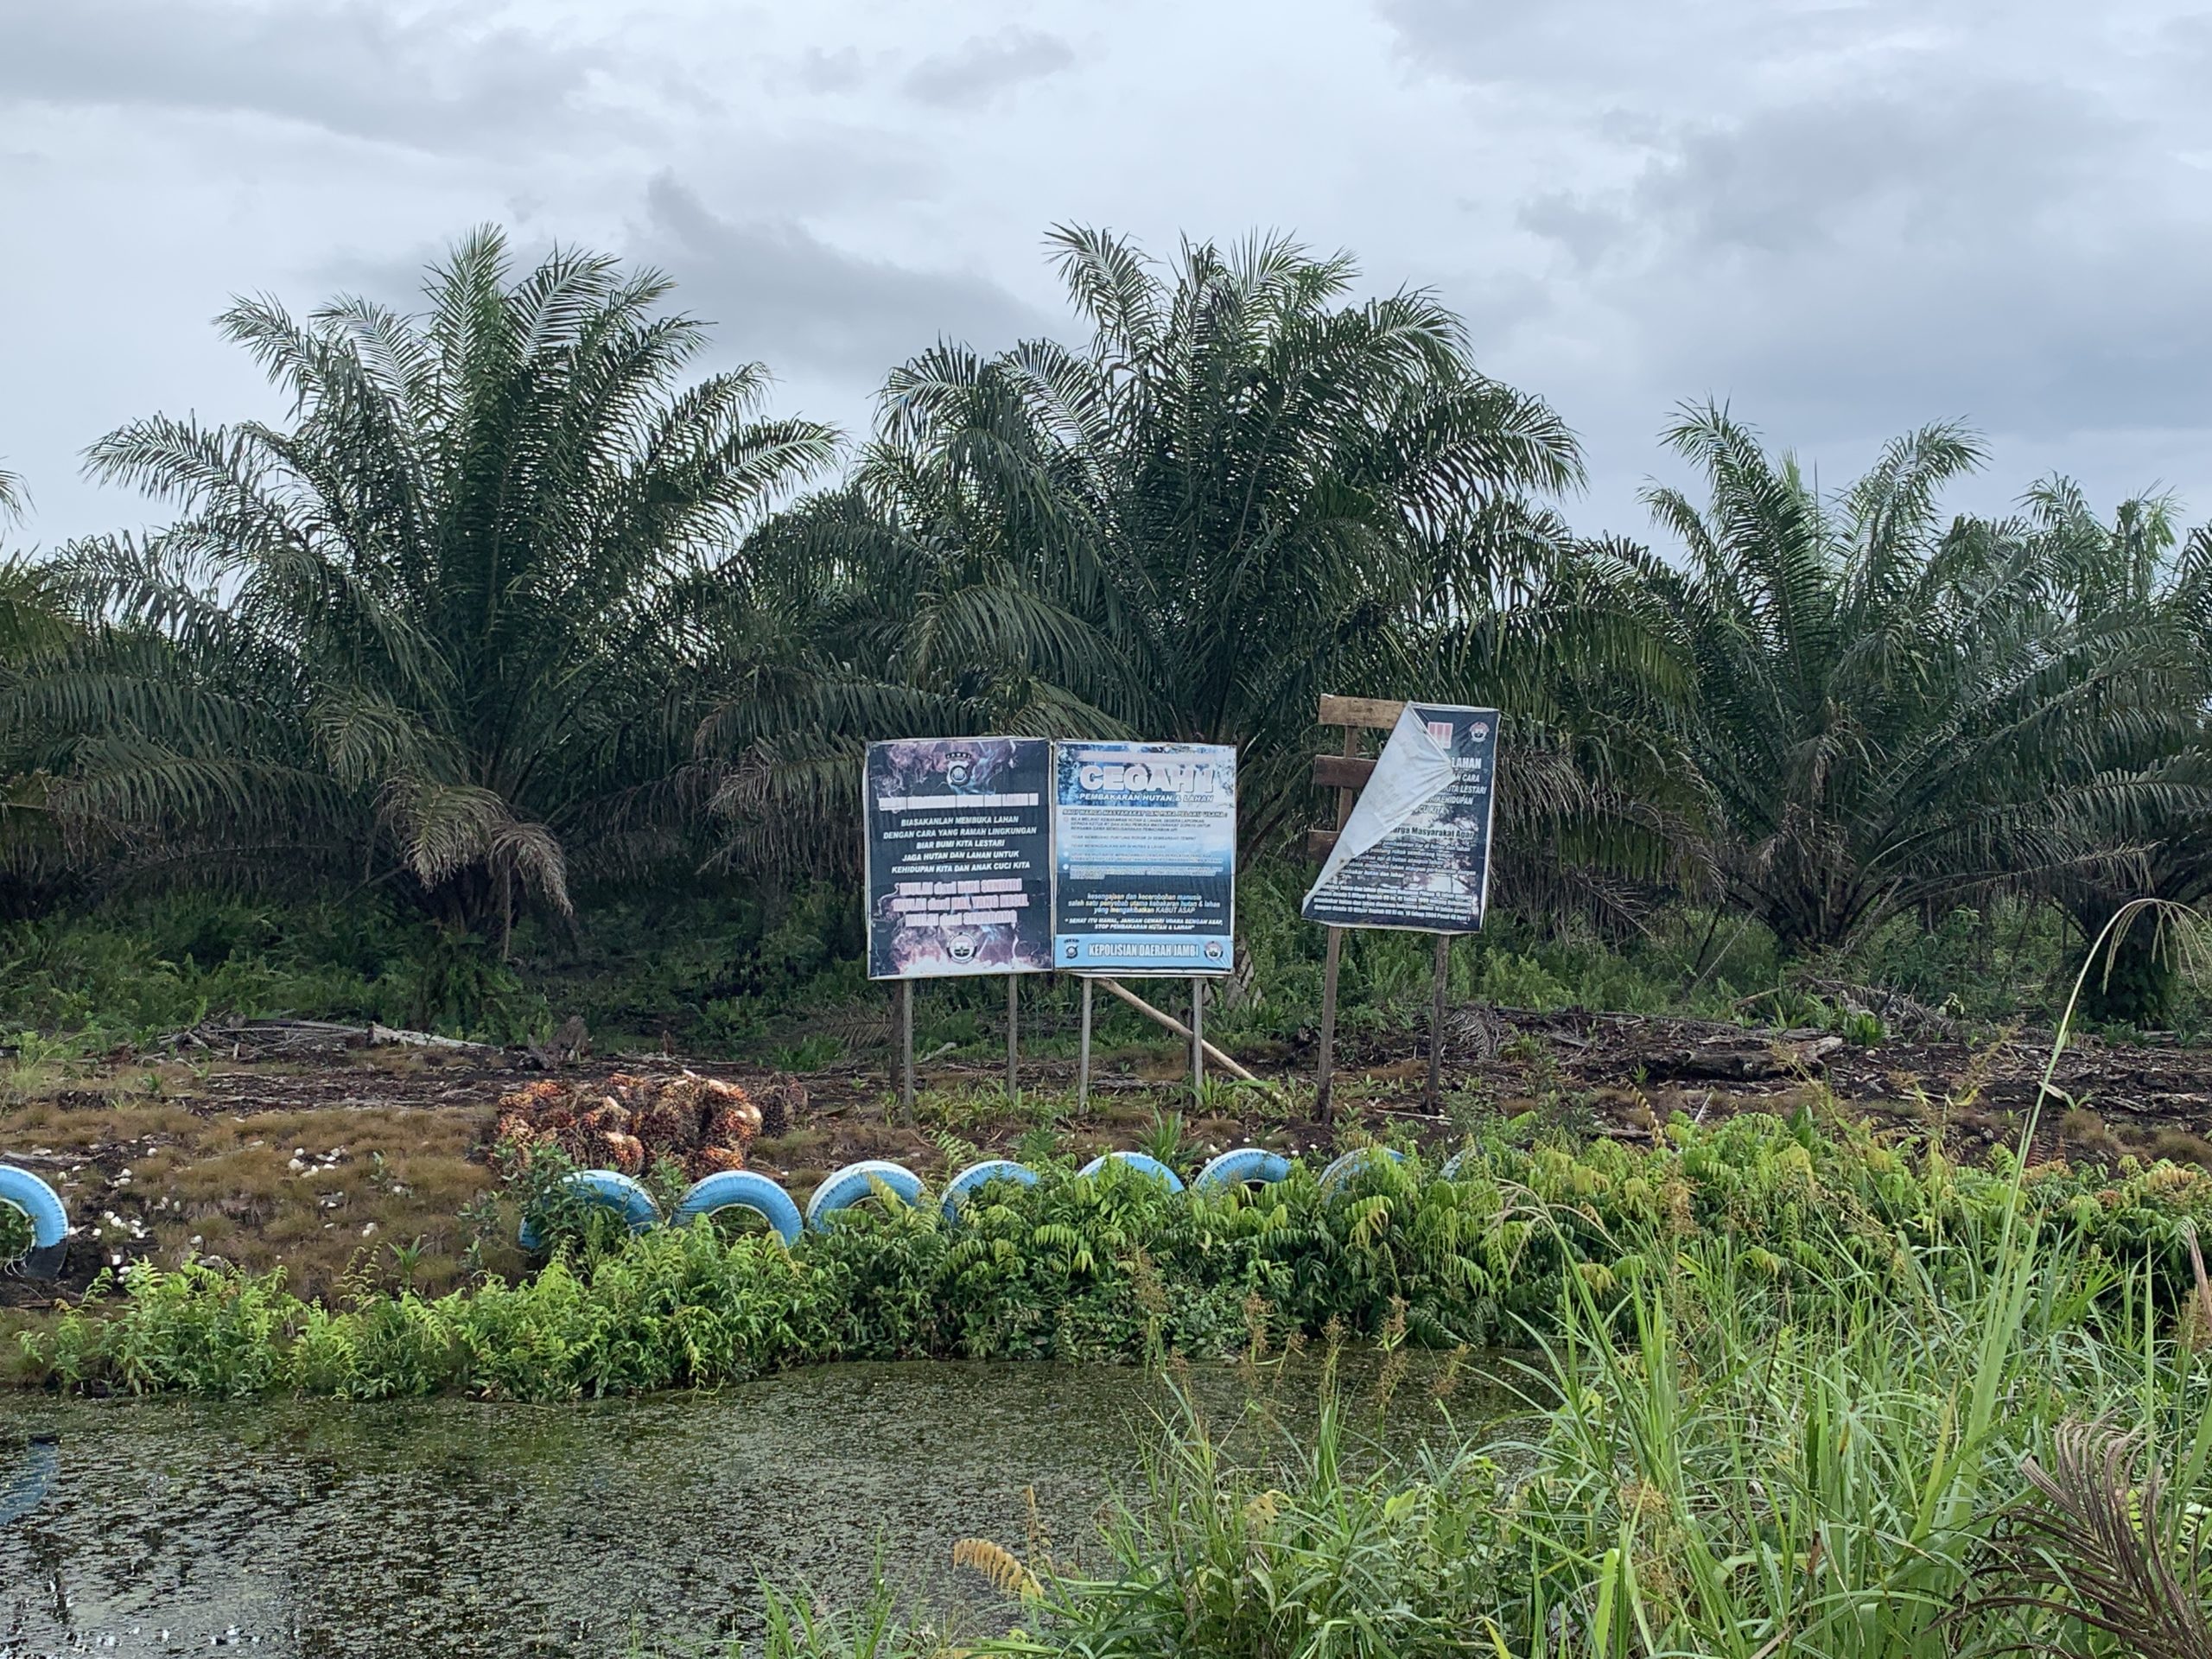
[[1116, 1267]]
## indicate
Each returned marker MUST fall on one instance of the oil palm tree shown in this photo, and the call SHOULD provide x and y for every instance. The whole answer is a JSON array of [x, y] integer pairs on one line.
[[1247, 489], [33, 613], [36, 624], [437, 626], [2095, 571], [1890, 711]]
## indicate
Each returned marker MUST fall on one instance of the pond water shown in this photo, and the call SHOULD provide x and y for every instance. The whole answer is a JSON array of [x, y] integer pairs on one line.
[[451, 1528]]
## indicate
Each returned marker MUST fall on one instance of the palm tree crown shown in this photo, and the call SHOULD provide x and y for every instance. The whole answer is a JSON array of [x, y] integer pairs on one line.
[[440, 621], [1892, 711]]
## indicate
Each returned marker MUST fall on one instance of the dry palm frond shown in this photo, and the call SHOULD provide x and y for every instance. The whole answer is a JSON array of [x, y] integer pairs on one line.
[[1261, 1511], [998, 1565], [2093, 1544], [2196, 1319]]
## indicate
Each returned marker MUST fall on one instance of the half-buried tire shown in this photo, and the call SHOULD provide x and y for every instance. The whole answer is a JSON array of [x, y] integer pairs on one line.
[[1137, 1163], [741, 1189], [49, 1219], [974, 1179], [1245, 1166], [1355, 1161], [603, 1189], [855, 1182]]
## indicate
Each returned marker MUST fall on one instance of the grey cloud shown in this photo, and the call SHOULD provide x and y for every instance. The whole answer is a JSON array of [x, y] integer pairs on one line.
[[1866, 170], [986, 65], [2035, 341], [780, 293], [1957, 254], [1964, 160], [348, 66], [1850, 219], [1587, 229], [1641, 49], [830, 72]]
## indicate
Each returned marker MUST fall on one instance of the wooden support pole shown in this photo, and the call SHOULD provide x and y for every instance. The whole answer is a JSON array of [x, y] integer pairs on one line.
[[1323, 1104], [1329, 965], [1198, 1039], [1436, 1021], [906, 1052], [1013, 1036], [1176, 1025], [1082, 1054]]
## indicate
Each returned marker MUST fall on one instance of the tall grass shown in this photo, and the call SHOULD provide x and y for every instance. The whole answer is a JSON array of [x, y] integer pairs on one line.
[[1753, 1472], [1744, 1476]]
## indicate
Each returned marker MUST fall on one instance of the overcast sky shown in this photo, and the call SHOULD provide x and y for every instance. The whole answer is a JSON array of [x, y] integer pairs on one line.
[[1847, 218]]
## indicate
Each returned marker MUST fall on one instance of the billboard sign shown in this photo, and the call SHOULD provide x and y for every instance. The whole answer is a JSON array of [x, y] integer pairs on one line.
[[1416, 851], [959, 867], [1144, 838]]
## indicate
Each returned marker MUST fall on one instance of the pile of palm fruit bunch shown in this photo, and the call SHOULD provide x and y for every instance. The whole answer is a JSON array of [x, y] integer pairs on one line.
[[630, 1122]]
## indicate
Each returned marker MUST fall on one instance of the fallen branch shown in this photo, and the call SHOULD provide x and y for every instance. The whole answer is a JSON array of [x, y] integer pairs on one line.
[[379, 1036]]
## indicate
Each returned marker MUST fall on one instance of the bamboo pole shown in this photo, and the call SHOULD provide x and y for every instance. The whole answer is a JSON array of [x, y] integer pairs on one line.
[[1014, 1036]]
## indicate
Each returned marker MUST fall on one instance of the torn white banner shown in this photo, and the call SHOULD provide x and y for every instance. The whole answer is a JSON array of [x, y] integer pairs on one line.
[[1416, 851]]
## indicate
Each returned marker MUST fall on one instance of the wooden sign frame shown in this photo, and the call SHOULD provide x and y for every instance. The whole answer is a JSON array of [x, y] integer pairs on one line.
[[1348, 774]]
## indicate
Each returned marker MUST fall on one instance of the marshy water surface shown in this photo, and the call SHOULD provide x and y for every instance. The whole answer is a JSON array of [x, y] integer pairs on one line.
[[453, 1528]]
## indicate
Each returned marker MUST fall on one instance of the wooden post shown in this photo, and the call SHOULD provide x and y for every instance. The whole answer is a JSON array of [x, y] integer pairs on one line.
[[1014, 1036], [1082, 1053], [1328, 1019], [1333, 960], [1436, 1021], [906, 1052], [1198, 1036]]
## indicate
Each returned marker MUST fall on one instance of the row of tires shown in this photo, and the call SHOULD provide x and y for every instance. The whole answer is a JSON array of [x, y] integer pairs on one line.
[[49, 1219], [746, 1189]]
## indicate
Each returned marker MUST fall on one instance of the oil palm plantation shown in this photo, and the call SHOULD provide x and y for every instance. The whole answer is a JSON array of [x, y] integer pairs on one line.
[[2097, 572], [1892, 711], [36, 624], [34, 615], [1247, 489], [437, 628]]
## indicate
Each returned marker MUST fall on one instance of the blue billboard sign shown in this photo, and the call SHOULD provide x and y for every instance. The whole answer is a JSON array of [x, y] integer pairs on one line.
[[1144, 838]]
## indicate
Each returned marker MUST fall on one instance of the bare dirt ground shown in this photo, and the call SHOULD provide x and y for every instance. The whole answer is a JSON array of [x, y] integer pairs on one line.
[[350, 1165]]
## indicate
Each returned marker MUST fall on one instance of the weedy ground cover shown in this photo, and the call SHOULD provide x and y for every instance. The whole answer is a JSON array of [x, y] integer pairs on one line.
[[723, 971], [1116, 1267]]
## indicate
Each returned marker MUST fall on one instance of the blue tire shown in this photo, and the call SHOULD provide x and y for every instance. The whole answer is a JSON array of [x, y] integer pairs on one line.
[[605, 1189], [1245, 1166], [974, 1179], [1141, 1163], [741, 1189], [49, 1220], [849, 1186], [1355, 1161]]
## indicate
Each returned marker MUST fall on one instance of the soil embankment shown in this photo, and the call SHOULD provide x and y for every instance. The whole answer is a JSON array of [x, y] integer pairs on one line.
[[342, 1162]]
